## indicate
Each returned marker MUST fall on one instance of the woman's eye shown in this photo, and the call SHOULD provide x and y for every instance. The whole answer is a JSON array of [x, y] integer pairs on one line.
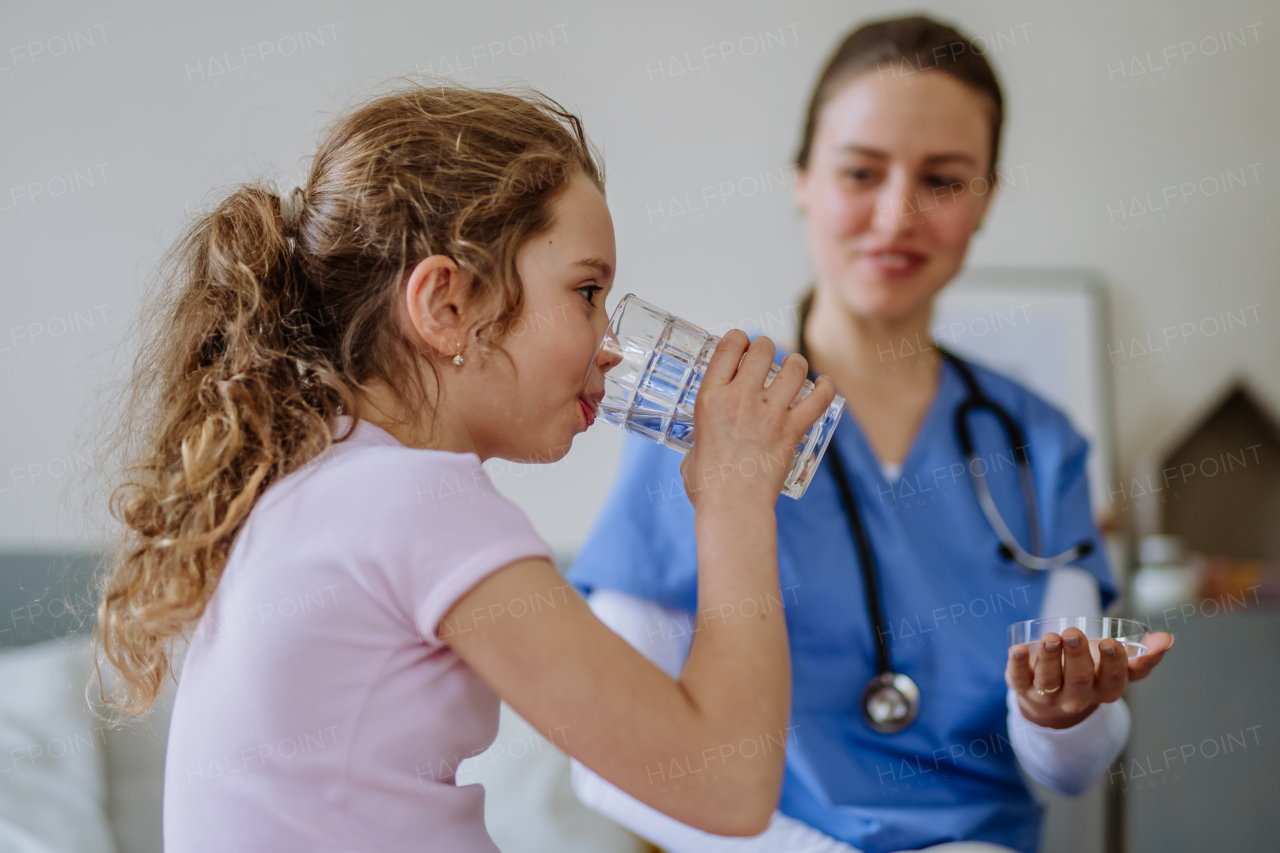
[[589, 292], [859, 174], [955, 184]]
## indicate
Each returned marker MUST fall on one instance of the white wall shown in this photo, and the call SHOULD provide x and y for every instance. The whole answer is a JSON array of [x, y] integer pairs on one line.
[[137, 113]]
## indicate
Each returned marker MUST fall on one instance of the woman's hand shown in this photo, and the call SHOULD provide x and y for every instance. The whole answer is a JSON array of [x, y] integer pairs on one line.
[[746, 434], [1060, 685]]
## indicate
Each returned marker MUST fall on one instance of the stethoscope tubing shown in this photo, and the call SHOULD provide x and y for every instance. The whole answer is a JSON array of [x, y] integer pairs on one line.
[[866, 558], [1010, 548]]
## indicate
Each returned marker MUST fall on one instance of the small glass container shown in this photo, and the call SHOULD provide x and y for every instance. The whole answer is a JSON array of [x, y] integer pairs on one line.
[[1128, 632]]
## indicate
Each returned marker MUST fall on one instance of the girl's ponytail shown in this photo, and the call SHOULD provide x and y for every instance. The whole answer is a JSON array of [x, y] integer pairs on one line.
[[236, 394], [272, 314]]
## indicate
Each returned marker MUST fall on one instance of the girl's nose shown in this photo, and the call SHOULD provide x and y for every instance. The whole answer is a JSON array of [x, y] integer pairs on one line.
[[610, 353]]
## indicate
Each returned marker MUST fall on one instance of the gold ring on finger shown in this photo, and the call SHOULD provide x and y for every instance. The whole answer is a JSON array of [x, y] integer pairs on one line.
[[1043, 692]]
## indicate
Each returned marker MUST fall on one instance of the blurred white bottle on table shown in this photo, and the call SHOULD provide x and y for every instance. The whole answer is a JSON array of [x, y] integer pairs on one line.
[[1165, 578]]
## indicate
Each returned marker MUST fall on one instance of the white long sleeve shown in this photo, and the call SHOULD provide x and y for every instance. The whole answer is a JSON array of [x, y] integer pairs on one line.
[[784, 835], [1069, 760], [664, 637]]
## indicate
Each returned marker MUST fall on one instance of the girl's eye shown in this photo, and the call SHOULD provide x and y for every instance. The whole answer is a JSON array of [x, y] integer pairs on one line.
[[589, 292], [859, 174]]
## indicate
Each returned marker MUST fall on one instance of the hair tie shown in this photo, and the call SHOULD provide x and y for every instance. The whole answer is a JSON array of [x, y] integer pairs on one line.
[[291, 211]]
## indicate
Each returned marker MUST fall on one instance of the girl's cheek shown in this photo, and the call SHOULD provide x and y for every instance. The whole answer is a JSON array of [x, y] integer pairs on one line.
[[576, 344]]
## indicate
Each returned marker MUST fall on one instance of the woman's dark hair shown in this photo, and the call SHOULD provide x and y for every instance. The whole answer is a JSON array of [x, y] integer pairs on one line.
[[903, 46]]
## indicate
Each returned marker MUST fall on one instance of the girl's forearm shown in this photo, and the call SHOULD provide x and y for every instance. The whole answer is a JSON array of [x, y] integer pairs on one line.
[[738, 674]]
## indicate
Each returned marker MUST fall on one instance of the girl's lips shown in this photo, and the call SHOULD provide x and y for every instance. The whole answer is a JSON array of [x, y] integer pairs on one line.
[[586, 411]]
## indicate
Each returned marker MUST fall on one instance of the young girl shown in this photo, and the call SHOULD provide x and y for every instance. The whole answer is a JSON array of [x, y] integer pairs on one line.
[[306, 504]]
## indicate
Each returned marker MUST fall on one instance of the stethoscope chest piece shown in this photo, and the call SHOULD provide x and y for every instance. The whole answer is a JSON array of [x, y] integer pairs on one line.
[[890, 702]]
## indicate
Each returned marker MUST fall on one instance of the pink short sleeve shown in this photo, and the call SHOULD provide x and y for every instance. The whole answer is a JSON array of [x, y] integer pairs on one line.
[[507, 546]]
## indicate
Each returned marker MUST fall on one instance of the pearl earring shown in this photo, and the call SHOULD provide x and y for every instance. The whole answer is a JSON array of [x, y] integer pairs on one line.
[[457, 359]]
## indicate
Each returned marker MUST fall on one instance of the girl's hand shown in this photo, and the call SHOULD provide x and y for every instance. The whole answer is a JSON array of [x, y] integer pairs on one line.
[[746, 434], [1064, 666]]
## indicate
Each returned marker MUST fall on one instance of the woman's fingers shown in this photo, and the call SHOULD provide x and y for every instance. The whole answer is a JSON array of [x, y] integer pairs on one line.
[[1048, 676], [1067, 683], [1157, 644], [723, 364], [1113, 670], [1018, 674], [1077, 672]]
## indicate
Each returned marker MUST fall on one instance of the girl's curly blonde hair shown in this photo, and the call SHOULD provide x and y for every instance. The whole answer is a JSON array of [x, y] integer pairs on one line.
[[258, 335]]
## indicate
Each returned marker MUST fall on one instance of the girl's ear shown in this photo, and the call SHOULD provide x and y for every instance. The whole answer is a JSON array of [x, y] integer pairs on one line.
[[435, 299]]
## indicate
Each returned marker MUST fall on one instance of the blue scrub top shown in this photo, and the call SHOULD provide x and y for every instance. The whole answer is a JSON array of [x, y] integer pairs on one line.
[[948, 599]]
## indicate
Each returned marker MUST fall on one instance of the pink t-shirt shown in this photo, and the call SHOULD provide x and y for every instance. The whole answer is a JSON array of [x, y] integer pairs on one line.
[[317, 709]]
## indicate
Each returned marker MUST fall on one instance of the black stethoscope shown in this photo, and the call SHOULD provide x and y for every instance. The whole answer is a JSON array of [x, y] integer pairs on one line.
[[891, 700]]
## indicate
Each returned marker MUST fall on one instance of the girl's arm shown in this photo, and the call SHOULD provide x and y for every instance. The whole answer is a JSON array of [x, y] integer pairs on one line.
[[660, 635], [706, 748]]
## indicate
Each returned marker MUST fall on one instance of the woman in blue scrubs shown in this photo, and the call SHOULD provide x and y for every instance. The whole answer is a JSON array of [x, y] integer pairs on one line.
[[895, 172]]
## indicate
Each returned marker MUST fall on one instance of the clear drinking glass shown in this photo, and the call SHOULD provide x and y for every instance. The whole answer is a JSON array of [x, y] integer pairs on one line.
[[651, 390], [1128, 632]]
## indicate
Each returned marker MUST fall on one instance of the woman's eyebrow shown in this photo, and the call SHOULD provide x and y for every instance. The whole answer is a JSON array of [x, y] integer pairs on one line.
[[864, 150], [931, 159], [943, 158]]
